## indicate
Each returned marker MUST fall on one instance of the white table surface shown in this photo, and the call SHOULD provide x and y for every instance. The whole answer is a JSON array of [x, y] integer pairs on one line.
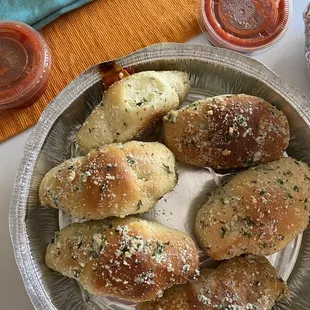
[[286, 59]]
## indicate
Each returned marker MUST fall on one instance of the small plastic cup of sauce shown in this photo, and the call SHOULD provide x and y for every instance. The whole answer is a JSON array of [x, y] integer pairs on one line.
[[25, 62], [244, 25]]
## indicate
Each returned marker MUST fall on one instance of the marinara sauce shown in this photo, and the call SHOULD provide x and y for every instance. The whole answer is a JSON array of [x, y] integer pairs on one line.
[[244, 25], [24, 65]]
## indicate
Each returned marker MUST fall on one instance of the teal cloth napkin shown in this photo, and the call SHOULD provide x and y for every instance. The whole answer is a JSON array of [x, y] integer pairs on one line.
[[37, 13]]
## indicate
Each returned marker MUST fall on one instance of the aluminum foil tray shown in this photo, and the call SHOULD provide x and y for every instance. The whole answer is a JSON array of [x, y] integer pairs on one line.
[[212, 72]]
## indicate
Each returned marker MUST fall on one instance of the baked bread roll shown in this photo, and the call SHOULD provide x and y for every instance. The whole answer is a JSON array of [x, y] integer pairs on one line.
[[130, 258], [133, 107], [229, 131], [240, 283], [258, 211], [115, 180]]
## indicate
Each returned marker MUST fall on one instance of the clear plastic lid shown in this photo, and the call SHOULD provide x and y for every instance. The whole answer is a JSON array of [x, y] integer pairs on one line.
[[244, 25], [24, 65]]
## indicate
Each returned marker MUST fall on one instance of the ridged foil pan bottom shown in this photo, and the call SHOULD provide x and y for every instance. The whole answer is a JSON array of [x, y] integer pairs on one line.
[[212, 72]]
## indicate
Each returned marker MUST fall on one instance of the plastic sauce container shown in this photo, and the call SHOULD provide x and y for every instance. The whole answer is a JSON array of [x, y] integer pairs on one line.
[[244, 25], [24, 65]]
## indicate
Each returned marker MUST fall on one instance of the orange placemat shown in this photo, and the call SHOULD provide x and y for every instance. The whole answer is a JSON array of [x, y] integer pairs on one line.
[[99, 31]]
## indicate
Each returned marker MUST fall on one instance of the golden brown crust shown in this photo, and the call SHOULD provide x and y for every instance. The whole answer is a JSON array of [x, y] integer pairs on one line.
[[258, 211], [115, 180], [130, 258], [228, 131], [241, 283], [133, 107]]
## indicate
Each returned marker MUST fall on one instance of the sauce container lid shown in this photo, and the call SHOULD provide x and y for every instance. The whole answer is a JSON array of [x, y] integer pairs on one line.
[[244, 25], [24, 65]]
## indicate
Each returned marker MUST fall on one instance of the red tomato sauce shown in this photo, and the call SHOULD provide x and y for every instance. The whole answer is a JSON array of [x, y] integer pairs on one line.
[[24, 65], [245, 23]]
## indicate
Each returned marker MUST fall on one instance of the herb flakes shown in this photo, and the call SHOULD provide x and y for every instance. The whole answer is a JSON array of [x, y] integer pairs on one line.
[[167, 168]]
